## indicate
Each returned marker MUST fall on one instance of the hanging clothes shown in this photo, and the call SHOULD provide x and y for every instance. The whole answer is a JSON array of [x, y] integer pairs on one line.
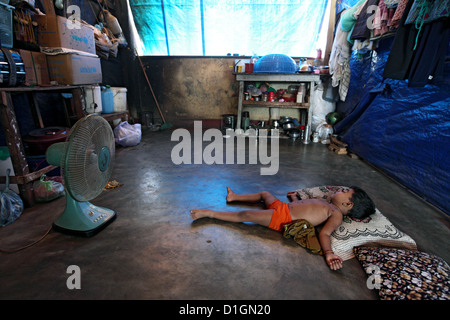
[[418, 51], [428, 63], [363, 25], [428, 11], [339, 64], [395, 22]]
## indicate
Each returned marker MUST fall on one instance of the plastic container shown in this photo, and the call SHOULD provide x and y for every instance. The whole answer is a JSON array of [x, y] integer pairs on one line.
[[254, 58], [5, 164], [275, 63], [93, 96], [324, 133], [107, 100], [38, 140], [249, 67], [120, 99]]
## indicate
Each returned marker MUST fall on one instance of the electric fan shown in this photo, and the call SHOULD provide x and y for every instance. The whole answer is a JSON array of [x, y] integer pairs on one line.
[[86, 161]]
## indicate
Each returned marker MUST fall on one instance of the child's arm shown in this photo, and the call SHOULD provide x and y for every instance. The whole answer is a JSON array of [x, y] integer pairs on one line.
[[333, 261]]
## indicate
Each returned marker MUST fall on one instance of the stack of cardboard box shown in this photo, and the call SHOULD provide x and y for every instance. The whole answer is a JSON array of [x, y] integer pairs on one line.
[[69, 48]]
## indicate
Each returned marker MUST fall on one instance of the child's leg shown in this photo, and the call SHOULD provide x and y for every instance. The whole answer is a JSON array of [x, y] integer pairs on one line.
[[261, 217], [264, 196]]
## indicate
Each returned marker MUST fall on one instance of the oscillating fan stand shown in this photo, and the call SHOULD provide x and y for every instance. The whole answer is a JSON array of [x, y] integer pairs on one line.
[[86, 159], [83, 218]]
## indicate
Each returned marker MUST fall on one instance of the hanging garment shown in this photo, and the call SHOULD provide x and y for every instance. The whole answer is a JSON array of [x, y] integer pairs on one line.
[[401, 54], [429, 57], [418, 54], [364, 24], [395, 22], [428, 11], [339, 64]]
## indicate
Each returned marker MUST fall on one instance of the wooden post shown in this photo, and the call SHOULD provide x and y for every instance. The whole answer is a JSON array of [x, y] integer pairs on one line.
[[330, 37]]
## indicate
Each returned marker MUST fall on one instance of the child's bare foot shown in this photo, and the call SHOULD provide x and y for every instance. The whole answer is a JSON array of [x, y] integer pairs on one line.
[[230, 195], [200, 213]]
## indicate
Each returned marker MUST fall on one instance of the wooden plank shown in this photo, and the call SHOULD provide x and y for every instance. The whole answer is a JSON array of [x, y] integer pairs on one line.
[[38, 88], [29, 177], [16, 149], [275, 104], [77, 102], [336, 149], [337, 142]]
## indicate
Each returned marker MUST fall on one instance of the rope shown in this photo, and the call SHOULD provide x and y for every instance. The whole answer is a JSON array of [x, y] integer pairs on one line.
[[424, 8]]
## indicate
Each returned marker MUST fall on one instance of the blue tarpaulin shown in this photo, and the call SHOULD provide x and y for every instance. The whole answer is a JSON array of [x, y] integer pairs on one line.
[[403, 130], [218, 27]]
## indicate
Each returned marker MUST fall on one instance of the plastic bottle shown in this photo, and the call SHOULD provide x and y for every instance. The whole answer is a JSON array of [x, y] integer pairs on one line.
[[301, 94], [254, 58], [318, 60], [107, 100], [245, 120]]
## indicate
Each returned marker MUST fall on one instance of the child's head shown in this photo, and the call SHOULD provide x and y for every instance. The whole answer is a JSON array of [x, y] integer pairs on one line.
[[363, 206]]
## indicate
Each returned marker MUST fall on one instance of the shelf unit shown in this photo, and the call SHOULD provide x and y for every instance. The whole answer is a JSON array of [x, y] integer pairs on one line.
[[23, 177], [312, 79]]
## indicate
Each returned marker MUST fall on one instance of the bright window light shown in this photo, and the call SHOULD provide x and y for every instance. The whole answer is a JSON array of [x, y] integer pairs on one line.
[[221, 27]]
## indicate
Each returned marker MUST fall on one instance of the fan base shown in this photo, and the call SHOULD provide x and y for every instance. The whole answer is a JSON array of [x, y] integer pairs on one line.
[[84, 233], [83, 218]]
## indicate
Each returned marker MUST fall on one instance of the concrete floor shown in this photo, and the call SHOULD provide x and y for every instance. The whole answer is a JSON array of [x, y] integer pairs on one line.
[[153, 250]]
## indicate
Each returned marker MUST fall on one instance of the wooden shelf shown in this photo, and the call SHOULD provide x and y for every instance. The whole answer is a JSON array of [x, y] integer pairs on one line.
[[115, 115], [39, 88], [275, 104]]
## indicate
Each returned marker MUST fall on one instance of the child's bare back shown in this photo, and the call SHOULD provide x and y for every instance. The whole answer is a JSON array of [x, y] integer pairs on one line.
[[315, 211]]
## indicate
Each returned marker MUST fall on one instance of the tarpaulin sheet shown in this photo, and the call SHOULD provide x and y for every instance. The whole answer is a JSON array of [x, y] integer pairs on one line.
[[404, 131], [218, 27]]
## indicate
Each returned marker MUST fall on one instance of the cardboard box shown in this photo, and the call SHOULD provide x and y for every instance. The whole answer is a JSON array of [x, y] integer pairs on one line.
[[74, 69], [35, 67], [57, 31]]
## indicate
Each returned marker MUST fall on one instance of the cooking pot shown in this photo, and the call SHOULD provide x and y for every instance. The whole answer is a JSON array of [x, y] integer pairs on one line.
[[294, 134], [288, 125], [285, 119]]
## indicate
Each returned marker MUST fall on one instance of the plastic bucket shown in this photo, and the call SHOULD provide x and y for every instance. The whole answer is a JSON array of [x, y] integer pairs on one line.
[[5, 164], [93, 98], [120, 99]]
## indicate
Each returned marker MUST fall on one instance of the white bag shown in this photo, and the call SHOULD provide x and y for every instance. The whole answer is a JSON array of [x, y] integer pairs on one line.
[[320, 108], [128, 135]]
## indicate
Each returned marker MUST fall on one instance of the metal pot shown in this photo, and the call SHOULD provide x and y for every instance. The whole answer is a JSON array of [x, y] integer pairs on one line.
[[288, 126], [285, 119], [275, 124]]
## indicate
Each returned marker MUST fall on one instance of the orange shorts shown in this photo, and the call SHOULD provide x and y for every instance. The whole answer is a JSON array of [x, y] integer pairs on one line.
[[280, 216]]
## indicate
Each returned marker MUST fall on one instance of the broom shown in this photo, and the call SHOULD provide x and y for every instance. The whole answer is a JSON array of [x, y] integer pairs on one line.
[[165, 125]]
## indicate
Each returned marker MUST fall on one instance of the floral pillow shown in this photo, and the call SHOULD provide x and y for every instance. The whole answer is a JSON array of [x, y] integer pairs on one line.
[[376, 230], [399, 274]]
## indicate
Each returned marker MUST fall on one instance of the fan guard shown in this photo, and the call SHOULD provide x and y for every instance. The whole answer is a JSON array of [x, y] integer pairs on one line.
[[88, 159]]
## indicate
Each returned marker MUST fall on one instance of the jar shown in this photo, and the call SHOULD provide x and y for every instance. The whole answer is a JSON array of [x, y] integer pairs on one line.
[[264, 96], [324, 133], [315, 137]]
